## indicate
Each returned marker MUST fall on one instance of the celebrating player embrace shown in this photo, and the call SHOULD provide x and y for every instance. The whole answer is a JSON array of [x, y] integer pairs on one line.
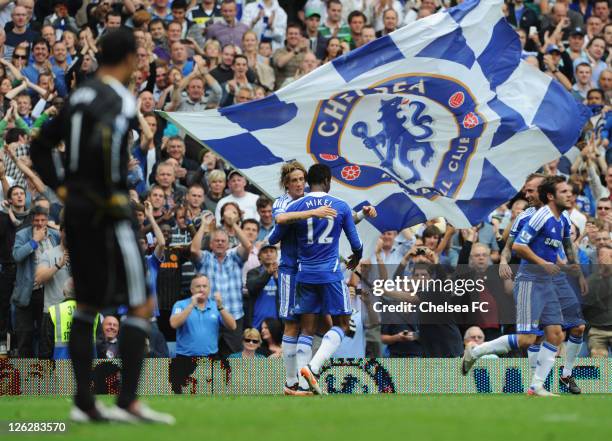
[[320, 288]]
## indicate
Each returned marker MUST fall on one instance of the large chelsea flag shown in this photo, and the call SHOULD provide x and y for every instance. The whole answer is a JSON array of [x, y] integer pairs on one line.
[[439, 118]]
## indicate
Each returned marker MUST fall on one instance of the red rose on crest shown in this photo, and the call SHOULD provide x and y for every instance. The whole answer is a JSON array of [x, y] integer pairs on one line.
[[351, 172], [456, 100], [470, 121]]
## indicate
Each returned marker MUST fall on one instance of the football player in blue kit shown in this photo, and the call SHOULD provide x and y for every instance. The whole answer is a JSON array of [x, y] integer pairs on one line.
[[574, 322], [320, 288], [537, 299], [297, 347]]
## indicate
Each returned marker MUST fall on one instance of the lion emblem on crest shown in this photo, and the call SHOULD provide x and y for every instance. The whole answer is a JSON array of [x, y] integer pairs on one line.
[[396, 140]]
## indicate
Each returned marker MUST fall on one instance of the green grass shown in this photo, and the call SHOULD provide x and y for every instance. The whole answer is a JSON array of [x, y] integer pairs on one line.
[[357, 417]]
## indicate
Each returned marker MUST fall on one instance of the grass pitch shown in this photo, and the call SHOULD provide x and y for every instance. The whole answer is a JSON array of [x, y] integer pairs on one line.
[[339, 417]]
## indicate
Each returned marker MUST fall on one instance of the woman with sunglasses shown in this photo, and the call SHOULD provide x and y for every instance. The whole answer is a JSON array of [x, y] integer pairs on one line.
[[13, 68], [251, 342], [20, 57]]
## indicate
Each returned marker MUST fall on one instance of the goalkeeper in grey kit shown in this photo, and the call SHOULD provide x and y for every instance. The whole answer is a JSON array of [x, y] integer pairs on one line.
[[107, 265]]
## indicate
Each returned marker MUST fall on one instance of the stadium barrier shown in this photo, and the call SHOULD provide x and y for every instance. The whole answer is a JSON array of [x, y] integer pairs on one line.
[[266, 376]]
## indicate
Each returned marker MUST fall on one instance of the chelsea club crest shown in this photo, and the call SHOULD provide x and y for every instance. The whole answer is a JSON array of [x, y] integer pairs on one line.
[[415, 130]]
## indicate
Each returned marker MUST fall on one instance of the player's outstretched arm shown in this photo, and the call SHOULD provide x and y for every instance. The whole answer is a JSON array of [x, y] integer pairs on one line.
[[349, 228], [296, 216], [366, 211]]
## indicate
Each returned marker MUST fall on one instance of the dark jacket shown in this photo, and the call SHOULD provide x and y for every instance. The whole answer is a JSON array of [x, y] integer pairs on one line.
[[257, 279], [223, 74], [43, 8], [598, 303], [320, 46], [566, 67], [501, 308], [528, 19], [7, 235], [188, 164]]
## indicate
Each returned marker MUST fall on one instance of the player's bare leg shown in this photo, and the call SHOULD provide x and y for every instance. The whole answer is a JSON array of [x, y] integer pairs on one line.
[[86, 408], [501, 345], [331, 342], [134, 331]]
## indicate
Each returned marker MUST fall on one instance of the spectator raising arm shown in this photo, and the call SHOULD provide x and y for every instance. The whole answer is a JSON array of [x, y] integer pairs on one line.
[[380, 262], [196, 243], [215, 89], [160, 241], [3, 180], [146, 134], [245, 246], [38, 184], [178, 91], [128, 7], [448, 234], [16, 90], [10, 66], [257, 279], [44, 94]]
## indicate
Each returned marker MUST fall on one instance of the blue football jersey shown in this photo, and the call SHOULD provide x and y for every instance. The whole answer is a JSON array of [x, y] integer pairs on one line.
[[520, 221], [544, 235], [319, 239], [289, 245]]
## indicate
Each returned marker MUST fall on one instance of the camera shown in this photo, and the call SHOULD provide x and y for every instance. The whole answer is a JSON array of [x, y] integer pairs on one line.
[[421, 251]]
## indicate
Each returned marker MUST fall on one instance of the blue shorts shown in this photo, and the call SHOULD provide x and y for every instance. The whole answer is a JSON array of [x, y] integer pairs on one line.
[[537, 304], [322, 298], [570, 306], [286, 296]]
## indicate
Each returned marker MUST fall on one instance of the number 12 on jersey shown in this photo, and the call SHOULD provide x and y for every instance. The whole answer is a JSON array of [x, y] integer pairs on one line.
[[324, 238]]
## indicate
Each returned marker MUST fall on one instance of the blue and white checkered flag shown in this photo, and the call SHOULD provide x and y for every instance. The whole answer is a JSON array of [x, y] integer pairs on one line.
[[439, 118]]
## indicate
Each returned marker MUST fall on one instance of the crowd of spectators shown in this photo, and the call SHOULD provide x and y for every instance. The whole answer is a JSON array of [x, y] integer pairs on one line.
[[203, 225]]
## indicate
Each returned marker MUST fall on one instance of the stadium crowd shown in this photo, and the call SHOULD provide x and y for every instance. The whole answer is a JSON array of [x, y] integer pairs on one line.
[[197, 215]]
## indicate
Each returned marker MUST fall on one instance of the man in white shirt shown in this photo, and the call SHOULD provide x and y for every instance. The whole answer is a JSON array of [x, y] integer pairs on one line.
[[247, 201], [268, 20]]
